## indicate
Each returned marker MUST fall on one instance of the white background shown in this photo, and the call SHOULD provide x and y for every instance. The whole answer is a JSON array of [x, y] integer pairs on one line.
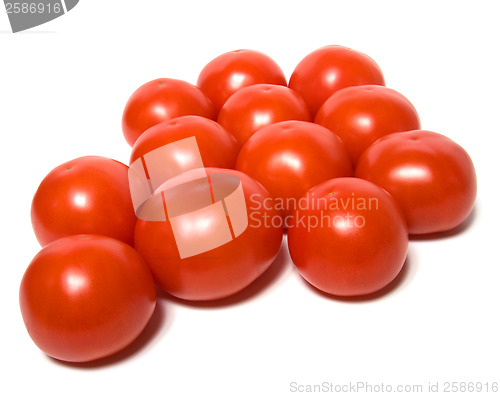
[[63, 86]]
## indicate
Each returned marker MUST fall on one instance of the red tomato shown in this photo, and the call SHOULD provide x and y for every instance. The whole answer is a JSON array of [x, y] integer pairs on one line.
[[217, 147], [159, 100], [348, 237], [228, 72], [218, 272], [360, 115], [328, 69], [430, 176], [87, 195], [290, 157], [256, 106], [85, 297]]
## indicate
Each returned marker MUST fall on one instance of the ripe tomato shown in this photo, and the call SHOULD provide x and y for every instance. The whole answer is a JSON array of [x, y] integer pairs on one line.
[[348, 237], [87, 195], [217, 147], [228, 72], [159, 100], [290, 157], [256, 106], [84, 297], [328, 69], [430, 176], [360, 115], [221, 271]]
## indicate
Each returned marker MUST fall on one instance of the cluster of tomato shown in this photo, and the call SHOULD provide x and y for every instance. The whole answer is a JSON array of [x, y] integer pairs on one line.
[[332, 157]]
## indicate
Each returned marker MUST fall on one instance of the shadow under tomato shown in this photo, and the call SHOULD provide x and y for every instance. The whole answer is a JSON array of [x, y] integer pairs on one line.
[[451, 233], [263, 282], [159, 323], [406, 272]]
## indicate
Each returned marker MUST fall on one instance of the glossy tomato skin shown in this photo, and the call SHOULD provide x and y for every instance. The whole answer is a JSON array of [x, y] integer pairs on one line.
[[87, 195], [85, 297], [217, 147], [361, 114], [326, 70], [160, 100], [256, 106], [219, 272], [228, 72], [349, 237], [290, 157], [430, 176]]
